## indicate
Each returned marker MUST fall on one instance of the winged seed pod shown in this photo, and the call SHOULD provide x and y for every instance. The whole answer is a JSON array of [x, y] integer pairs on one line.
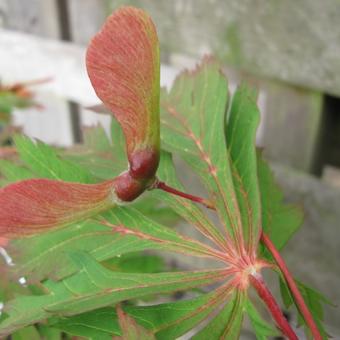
[[123, 66]]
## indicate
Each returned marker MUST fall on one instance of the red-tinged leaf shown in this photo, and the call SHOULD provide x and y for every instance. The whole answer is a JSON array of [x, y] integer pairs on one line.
[[123, 66], [130, 328], [34, 205]]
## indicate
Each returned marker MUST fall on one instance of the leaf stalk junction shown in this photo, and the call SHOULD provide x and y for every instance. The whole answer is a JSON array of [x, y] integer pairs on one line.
[[249, 273]]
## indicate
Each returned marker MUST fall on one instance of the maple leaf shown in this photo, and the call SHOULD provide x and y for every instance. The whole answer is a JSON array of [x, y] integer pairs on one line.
[[217, 139]]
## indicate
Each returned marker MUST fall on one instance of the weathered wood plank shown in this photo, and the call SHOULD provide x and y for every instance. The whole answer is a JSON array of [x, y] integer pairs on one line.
[[294, 41], [34, 16], [65, 62], [292, 125], [330, 137], [295, 147], [37, 17], [86, 17]]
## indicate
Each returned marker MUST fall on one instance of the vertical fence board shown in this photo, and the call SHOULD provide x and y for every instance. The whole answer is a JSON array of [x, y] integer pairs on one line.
[[85, 19], [292, 125], [38, 17], [34, 16]]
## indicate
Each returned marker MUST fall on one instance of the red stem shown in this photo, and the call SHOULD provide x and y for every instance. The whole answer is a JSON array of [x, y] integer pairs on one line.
[[165, 187], [275, 310], [293, 287]]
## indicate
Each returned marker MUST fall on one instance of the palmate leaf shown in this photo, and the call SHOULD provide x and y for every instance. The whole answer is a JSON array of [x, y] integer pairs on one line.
[[47, 255], [39, 256], [313, 299], [136, 262], [12, 172], [49, 252], [123, 66], [167, 321], [99, 324], [35, 333], [262, 329], [50, 333], [127, 231], [193, 118], [128, 221], [94, 287], [185, 208], [227, 324], [130, 329], [45, 162], [102, 157], [219, 157], [242, 123], [27, 333], [279, 219]]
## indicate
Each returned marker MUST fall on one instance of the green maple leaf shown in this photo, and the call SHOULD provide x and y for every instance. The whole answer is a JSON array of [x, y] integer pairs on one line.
[[217, 148]]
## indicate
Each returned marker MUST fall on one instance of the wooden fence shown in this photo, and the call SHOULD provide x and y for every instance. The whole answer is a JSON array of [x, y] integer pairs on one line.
[[289, 49]]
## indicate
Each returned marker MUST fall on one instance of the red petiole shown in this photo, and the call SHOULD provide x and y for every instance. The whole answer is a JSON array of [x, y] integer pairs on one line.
[[292, 286], [264, 293], [165, 187]]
